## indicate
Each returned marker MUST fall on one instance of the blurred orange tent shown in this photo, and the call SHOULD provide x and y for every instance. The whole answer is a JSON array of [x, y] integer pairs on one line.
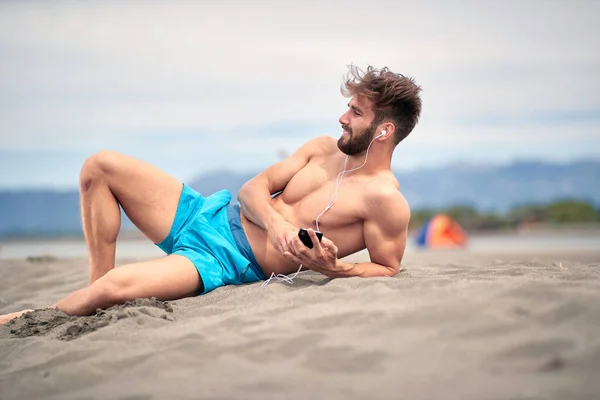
[[441, 231]]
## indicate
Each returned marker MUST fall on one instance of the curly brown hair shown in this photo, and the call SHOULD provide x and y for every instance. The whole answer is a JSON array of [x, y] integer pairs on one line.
[[395, 97]]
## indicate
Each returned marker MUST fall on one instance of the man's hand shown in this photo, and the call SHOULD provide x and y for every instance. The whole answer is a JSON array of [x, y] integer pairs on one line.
[[321, 258], [284, 237]]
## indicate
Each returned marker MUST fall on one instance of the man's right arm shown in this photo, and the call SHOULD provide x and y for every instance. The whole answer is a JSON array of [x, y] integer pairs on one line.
[[255, 195]]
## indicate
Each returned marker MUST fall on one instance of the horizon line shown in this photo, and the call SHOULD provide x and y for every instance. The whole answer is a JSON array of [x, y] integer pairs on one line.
[[451, 164]]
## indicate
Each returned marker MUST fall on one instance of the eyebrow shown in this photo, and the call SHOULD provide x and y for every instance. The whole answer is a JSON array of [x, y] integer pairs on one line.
[[355, 108]]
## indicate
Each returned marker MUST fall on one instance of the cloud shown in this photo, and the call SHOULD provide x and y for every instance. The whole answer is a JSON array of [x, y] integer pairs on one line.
[[234, 80]]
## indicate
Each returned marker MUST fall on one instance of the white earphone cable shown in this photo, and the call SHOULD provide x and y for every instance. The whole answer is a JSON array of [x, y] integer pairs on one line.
[[338, 179]]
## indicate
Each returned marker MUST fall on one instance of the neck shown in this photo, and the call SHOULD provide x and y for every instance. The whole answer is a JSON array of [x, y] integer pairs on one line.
[[378, 159]]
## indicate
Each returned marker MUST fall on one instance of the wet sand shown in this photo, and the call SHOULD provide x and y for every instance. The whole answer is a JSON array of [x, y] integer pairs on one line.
[[451, 325]]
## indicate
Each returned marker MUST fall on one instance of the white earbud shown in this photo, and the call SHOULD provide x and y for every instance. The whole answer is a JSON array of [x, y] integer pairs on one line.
[[383, 132]]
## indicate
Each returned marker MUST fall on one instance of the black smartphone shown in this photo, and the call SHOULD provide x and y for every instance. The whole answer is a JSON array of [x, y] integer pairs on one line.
[[305, 237]]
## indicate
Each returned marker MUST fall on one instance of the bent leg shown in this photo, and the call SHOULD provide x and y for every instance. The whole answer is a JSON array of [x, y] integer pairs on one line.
[[148, 196], [169, 278]]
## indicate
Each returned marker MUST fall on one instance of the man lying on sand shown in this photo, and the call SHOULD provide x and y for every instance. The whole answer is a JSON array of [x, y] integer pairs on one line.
[[210, 243]]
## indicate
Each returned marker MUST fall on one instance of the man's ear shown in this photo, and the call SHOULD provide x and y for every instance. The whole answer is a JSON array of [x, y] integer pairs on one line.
[[389, 129]]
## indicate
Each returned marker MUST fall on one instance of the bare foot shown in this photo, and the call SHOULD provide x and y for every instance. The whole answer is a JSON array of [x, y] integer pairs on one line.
[[7, 317]]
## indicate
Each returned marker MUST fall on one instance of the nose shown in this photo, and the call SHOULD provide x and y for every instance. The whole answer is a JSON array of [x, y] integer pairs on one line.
[[344, 120]]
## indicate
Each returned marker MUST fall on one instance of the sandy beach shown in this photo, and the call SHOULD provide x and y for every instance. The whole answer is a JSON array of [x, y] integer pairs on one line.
[[451, 325]]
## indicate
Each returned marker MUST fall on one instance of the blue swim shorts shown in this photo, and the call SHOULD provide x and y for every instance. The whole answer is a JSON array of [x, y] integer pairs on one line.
[[208, 231]]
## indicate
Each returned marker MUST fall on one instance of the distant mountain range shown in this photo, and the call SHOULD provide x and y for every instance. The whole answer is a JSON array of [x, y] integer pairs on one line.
[[491, 188]]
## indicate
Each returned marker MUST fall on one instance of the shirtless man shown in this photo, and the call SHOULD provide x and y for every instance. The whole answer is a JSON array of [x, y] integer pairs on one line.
[[210, 243]]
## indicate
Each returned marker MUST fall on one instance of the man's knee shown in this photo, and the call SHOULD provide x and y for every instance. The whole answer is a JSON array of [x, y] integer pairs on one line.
[[98, 167]]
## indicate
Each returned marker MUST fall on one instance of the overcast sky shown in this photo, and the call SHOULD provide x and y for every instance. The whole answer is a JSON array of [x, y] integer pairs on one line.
[[197, 86]]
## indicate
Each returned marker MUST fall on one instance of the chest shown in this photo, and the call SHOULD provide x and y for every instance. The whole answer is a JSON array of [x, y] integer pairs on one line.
[[315, 187]]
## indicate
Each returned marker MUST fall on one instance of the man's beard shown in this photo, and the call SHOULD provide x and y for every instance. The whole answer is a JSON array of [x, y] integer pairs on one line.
[[356, 143]]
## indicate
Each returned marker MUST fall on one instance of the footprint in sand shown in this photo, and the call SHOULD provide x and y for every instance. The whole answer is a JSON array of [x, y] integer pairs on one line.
[[544, 355], [41, 322]]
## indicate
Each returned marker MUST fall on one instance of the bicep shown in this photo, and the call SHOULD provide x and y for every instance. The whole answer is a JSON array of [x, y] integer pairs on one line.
[[385, 233], [277, 176]]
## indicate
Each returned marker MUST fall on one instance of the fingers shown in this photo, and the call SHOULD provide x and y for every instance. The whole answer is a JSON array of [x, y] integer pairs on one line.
[[315, 240], [297, 251], [289, 245], [287, 242], [328, 245], [292, 257], [292, 248], [297, 246], [283, 246]]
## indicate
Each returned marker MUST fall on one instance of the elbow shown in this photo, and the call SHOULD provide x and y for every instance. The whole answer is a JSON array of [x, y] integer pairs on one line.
[[393, 271], [244, 191], [256, 186]]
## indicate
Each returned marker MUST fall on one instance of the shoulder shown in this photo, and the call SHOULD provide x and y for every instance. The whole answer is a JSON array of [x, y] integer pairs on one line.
[[318, 146], [385, 204], [324, 144]]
